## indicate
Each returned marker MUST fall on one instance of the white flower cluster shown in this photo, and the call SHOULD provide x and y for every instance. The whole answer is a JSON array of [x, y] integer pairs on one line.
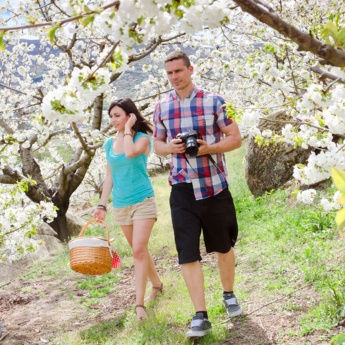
[[63, 104], [89, 83], [19, 220], [250, 118], [316, 105], [319, 166], [309, 197], [135, 21], [67, 103]]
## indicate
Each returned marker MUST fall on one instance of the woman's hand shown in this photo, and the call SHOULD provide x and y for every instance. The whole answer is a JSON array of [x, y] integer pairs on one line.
[[99, 214], [132, 119]]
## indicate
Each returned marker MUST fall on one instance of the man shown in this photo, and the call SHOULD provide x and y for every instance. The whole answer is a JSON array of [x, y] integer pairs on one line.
[[199, 199]]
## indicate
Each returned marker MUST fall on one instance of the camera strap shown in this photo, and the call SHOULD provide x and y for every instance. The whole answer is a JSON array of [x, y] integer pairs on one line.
[[213, 162]]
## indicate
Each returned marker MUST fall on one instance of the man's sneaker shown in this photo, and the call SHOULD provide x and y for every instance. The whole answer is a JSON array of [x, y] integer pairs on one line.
[[231, 304], [199, 326]]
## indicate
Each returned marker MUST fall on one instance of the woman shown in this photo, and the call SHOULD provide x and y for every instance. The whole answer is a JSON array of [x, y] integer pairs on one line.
[[133, 196]]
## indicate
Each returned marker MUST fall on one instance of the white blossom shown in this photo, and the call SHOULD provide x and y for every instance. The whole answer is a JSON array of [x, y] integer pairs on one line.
[[307, 196]]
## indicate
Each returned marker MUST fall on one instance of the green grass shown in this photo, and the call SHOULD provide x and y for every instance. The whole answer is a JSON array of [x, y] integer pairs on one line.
[[282, 247]]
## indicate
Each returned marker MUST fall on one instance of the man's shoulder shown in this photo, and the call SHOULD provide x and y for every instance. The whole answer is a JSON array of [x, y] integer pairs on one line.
[[208, 93], [167, 98]]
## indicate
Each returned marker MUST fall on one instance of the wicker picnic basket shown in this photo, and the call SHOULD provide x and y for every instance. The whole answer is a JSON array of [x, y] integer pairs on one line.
[[91, 255]]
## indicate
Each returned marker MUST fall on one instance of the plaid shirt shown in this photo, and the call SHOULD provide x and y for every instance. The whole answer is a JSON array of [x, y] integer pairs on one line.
[[202, 111]]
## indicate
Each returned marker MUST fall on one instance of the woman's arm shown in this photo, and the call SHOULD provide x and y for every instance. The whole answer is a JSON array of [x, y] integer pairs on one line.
[[140, 146], [100, 211], [135, 149]]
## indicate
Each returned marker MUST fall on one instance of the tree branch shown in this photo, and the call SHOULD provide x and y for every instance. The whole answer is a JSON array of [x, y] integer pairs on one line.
[[5, 126], [318, 70], [21, 92], [81, 139], [115, 4], [265, 14], [51, 135]]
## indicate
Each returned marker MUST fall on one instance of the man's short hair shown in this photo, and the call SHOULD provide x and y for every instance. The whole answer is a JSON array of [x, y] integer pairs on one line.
[[178, 55]]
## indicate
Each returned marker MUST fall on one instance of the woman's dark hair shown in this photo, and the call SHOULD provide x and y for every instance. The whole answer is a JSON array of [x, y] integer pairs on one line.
[[126, 104]]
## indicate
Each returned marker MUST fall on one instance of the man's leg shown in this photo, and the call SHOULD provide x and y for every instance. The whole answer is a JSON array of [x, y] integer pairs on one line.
[[226, 264], [194, 279]]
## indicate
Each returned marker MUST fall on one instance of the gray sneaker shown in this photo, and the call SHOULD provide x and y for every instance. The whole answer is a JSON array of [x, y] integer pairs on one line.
[[231, 304], [199, 326]]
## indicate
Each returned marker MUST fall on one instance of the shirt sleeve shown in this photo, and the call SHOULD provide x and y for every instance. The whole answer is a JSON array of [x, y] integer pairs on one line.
[[142, 135], [223, 120]]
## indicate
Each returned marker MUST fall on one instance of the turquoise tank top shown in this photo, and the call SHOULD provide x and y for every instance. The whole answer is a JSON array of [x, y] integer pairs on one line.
[[131, 183]]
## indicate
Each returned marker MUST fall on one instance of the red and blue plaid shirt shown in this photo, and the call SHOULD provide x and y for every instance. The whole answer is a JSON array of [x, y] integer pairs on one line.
[[202, 111]]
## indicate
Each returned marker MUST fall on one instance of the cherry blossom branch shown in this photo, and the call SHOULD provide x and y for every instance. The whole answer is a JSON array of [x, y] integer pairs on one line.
[[115, 4], [18, 91], [80, 137], [305, 41], [318, 70], [51, 135], [298, 122]]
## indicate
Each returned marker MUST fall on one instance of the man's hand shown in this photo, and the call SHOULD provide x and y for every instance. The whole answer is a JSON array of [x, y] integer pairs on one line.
[[204, 148], [177, 146]]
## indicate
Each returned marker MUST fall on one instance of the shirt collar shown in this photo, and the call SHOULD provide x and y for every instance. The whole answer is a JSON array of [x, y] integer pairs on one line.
[[189, 97]]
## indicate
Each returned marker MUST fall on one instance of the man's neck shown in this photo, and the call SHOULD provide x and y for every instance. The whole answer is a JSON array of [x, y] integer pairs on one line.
[[184, 93]]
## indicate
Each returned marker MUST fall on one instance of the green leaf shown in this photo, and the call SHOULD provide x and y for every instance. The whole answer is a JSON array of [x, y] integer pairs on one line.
[[88, 19], [31, 20], [52, 33], [341, 200], [269, 48], [86, 8], [341, 37], [340, 218], [2, 45], [332, 28], [338, 177], [329, 30]]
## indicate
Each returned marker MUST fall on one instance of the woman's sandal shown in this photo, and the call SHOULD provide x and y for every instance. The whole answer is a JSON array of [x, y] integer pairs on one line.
[[140, 317], [156, 291]]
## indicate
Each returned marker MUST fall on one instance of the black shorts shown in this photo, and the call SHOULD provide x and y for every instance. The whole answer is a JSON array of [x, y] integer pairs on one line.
[[215, 216]]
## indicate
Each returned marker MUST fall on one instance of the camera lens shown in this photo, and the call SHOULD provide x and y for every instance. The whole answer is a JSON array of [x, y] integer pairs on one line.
[[192, 146]]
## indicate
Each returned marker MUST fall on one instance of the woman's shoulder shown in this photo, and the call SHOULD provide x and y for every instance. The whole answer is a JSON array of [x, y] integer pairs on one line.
[[142, 135], [107, 143]]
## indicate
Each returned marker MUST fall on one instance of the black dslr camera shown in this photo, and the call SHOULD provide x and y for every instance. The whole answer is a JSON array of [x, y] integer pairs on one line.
[[189, 138]]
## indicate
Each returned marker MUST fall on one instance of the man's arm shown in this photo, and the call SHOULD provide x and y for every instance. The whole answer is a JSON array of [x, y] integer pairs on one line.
[[231, 141], [163, 148]]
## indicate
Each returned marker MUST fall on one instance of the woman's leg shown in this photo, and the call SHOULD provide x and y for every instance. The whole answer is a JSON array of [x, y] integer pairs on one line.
[[138, 237], [139, 308], [152, 272], [141, 234]]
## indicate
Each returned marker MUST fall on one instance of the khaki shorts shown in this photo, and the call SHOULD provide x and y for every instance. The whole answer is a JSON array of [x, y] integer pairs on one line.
[[146, 209]]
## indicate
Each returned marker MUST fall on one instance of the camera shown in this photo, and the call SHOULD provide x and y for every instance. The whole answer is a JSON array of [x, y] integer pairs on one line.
[[189, 138]]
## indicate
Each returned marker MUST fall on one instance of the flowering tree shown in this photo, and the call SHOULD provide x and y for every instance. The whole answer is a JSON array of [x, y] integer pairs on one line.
[[52, 105]]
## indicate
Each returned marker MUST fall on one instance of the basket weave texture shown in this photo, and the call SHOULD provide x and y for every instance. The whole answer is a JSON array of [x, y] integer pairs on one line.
[[91, 255]]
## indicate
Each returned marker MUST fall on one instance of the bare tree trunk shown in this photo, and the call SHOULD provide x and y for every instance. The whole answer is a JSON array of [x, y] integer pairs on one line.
[[59, 224]]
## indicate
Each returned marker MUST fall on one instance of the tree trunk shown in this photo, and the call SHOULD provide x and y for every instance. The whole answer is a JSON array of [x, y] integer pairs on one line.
[[59, 224]]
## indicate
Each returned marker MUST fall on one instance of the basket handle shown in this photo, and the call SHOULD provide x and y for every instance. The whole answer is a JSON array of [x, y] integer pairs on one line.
[[97, 221]]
